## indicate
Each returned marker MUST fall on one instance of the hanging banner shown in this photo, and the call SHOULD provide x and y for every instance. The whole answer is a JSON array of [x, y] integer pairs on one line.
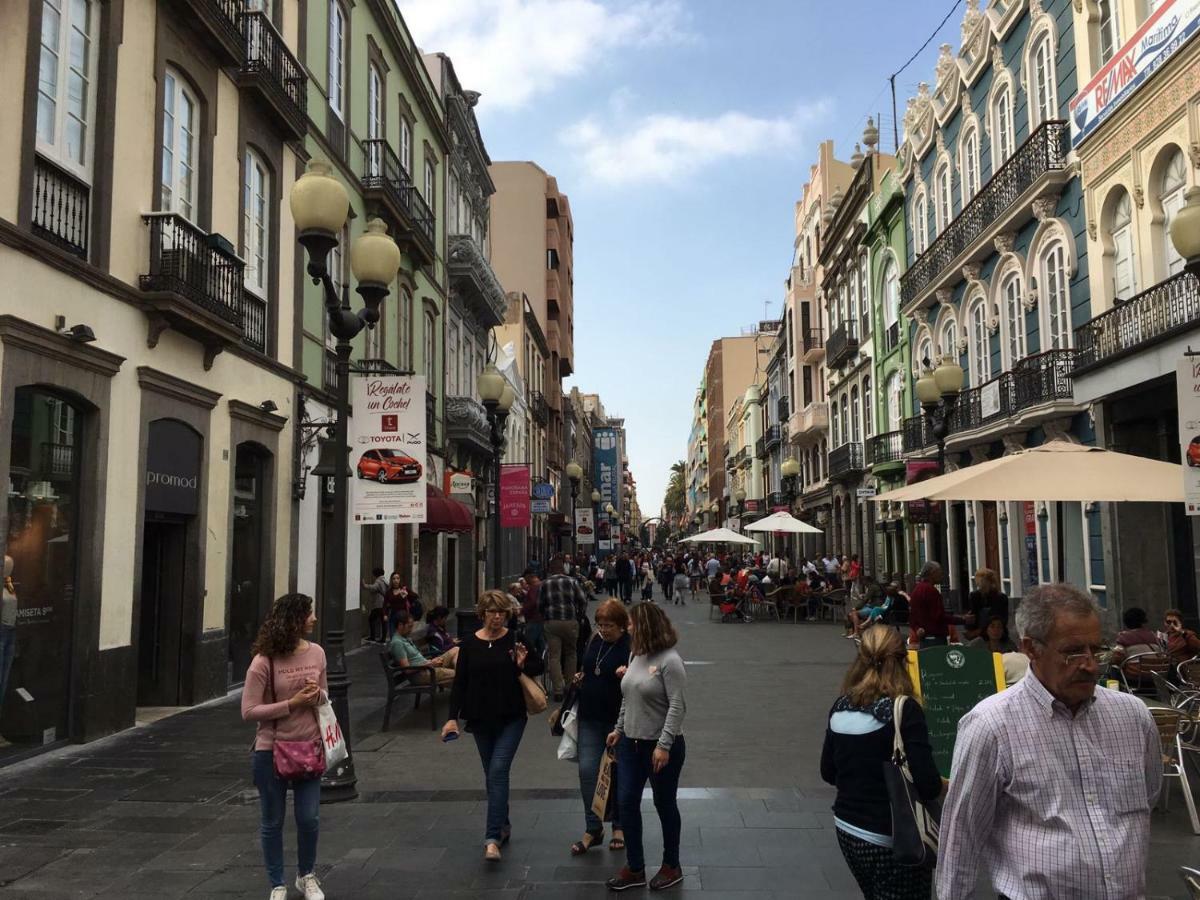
[[605, 466], [387, 448], [1187, 387], [585, 526], [921, 512], [514, 495]]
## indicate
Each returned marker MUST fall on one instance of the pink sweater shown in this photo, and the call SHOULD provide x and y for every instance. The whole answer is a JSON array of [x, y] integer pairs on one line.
[[291, 672]]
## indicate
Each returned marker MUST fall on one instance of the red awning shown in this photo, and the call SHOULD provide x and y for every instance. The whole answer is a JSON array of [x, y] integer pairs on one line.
[[446, 514]]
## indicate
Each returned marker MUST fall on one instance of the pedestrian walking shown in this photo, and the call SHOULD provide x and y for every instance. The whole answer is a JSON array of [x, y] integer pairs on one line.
[[562, 603], [282, 689], [682, 583], [1054, 780], [598, 687], [649, 740], [859, 739], [625, 575], [666, 577], [487, 695], [376, 621]]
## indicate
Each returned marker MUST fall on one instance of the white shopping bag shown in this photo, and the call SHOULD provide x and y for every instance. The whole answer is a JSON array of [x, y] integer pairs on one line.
[[568, 749], [570, 722], [332, 738]]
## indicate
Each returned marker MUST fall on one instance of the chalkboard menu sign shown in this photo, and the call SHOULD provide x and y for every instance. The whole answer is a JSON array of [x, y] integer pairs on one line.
[[949, 681]]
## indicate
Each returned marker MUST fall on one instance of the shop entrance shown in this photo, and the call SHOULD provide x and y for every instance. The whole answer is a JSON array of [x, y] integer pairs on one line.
[[160, 637], [249, 599]]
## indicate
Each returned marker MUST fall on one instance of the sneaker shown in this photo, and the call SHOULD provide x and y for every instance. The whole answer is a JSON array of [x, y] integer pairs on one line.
[[492, 853], [667, 877], [279, 893], [625, 879], [309, 887]]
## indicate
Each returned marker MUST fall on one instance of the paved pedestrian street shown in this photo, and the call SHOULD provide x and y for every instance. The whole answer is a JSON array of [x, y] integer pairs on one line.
[[167, 810]]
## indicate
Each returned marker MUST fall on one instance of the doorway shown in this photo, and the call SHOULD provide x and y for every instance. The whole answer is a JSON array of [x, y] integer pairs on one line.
[[160, 634], [248, 600], [991, 536]]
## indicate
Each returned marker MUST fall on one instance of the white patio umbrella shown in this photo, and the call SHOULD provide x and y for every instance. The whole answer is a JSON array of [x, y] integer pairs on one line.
[[782, 521], [719, 536]]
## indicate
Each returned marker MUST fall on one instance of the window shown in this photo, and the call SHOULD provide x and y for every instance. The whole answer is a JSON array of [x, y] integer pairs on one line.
[[980, 353], [969, 161], [1002, 128], [429, 351], [406, 153], [864, 289], [452, 207], [891, 304], [1043, 105], [65, 78], [1109, 36], [338, 275], [1170, 193], [894, 402], [868, 413], [948, 342], [1056, 297], [852, 297], [406, 329], [845, 423], [452, 356], [375, 118], [1121, 232], [179, 148], [1014, 317], [430, 185], [256, 225], [336, 87], [920, 224], [469, 374], [855, 415], [942, 203]]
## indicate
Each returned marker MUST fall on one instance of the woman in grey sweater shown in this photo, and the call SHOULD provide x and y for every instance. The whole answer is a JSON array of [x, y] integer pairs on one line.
[[649, 742]]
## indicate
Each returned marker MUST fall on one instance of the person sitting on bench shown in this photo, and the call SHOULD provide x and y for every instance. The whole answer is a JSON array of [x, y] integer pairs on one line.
[[405, 653]]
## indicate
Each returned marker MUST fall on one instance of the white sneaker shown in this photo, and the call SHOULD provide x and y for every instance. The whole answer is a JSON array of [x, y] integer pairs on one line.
[[279, 893], [310, 887]]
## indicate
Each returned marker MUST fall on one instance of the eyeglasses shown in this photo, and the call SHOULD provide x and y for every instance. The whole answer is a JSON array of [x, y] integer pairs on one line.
[[1076, 660], [495, 612], [600, 624]]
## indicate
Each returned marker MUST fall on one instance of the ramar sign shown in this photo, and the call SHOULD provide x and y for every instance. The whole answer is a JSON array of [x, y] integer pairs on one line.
[[387, 449]]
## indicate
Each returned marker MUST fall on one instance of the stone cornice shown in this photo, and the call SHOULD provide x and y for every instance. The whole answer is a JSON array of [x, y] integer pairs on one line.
[[176, 388], [49, 344], [256, 416]]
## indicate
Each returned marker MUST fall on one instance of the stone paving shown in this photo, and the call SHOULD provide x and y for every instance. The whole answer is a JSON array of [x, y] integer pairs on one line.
[[167, 810]]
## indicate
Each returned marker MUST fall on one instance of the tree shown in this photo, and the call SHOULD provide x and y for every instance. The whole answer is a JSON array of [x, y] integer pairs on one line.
[[675, 500]]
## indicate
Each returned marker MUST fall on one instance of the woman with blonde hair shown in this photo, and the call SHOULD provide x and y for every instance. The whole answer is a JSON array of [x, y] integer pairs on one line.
[[984, 603], [487, 694], [858, 740]]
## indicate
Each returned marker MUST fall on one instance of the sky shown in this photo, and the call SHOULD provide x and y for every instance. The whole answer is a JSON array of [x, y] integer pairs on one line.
[[682, 132]]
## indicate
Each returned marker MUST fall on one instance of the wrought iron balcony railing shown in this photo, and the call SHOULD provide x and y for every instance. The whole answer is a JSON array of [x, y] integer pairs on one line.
[[60, 207], [254, 321], [917, 435], [385, 180], [846, 461], [199, 267], [329, 373], [272, 70], [760, 447], [1168, 308], [773, 436], [842, 345], [474, 280], [1046, 150], [885, 448], [539, 408], [811, 339]]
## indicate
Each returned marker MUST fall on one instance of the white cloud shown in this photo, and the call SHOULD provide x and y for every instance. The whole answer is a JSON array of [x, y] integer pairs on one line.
[[512, 50], [670, 147]]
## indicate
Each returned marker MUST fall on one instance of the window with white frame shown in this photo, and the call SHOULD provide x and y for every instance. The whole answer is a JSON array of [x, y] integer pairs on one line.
[[852, 295], [845, 419], [1171, 188], [337, 265], [429, 351], [430, 185], [948, 341], [406, 151], [406, 330], [375, 117], [968, 161], [468, 364], [1013, 303], [1044, 103], [980, 356], [925, 352], [920, 223], [452, 206], [1120, 229], [1109, 36], [180, 147], [452, 357], [864, 289], [891, 302], [1002, 127], [942, 200], [256, 225], [894, 401], [336, 84], [868, 412], [855, 415], [66, 78], [1055, 295]]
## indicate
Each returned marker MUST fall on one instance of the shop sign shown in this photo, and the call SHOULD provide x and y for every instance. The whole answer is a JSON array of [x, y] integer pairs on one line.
[[543, 490], [173, 468], [459, 482], [539, 506], [864, 493], [604, 464], [387, 449], [605, 545], [585, 526], [1187, 387], [1031, 543], [1160, 36], [514, 495], [753, 506]]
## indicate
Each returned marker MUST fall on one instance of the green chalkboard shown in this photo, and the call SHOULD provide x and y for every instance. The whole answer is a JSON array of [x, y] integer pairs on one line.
[[949, 682]]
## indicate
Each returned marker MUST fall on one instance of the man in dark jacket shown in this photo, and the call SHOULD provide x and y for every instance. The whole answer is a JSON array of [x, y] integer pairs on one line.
[[625, 577]]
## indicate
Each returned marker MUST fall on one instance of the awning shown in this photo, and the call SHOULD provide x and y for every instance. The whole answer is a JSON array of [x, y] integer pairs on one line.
[[445, 514]]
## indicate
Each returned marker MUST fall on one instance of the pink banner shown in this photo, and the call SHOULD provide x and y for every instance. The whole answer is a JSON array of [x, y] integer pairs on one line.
[[514, 496]]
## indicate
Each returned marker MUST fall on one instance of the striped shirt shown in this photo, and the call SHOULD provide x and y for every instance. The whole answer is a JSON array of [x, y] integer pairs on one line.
[[1054, 805]]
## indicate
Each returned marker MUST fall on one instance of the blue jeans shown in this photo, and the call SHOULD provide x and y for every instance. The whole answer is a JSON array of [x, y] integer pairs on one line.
[[8, 644], [591, 749], [497, 745], [272, 800], [535, 638], [634, 761]]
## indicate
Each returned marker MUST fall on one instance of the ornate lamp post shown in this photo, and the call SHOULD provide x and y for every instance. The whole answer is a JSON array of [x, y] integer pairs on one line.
[[320, 207], [938, 391], [575, 474], [497, 397], [739, 497]]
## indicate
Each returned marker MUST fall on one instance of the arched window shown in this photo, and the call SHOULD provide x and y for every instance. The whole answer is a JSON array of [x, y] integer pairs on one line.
[[845, 435], [868, 412], [336, 82], [977, 339], [1109, 36], [1013, 311], [1170, 197], [942, 201], [1055, 296], [256, 225], [1120, 230], [894, 402], [855, 415], [948, 338], [1043, 102], [920, 223], [375, 118], [925, 352], [180, 147], [852, 292], [1002, 127], [891, 304], [968, 163], [66, 82]]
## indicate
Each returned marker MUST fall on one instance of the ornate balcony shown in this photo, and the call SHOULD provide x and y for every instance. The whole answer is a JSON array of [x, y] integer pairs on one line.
[[760, 448], [812, 344], [58, 462], [773, 436], [842, 346], [216, 21], [467, 425], [473, 280], [1169, 308], [1039, 166], [254, 321], [846, 461], [916, 435], [274, 74], [329, 374], [809, 422], [885, 448], [731, 463], [60, 207], [745, 458], [539, 408], [388, 191]]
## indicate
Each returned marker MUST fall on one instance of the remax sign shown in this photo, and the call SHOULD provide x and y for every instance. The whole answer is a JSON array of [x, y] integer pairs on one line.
[[1153, 44]]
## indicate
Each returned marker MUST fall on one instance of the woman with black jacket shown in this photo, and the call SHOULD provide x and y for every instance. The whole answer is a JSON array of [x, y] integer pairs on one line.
[[487, 694], [857, 743]]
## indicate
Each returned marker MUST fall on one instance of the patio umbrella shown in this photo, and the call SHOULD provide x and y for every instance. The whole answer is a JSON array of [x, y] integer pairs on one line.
[[782, 521], [1055, 471], [719, 536]]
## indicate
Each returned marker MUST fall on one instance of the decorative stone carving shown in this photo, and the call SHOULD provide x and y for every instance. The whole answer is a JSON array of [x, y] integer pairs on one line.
[[1091, 229], [997, 57], [993, 323], [979, 453], [970, 272], [945, 298], [1059, 430], [961, 344], [940, 142], [1031, 298], [1194, 153], [1005, 241], [945, 68], [921, 316], [1139, 195], [1045, 207], [1014, 442]]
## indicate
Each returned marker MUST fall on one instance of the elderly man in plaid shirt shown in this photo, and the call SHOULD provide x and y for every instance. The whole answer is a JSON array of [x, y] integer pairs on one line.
[[1053, 780], [563, 603]]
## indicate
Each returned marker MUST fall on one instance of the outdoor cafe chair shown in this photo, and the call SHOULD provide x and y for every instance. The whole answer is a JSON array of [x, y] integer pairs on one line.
[[1141, 667], [716, 596], [1189, 673], [1171, 724], [834, 603], [768, 603]]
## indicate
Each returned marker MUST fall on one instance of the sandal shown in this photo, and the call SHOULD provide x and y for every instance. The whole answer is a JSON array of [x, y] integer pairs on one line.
[[579, 847], [617, 843]]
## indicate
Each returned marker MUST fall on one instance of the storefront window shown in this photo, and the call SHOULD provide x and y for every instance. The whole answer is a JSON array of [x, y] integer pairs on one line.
[[42, 540]]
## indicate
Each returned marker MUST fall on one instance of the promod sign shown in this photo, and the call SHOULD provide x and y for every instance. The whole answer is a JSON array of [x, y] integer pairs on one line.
[[387, 449]]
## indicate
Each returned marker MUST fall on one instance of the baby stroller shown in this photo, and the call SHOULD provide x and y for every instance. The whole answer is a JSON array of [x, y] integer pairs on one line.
[[735, 606]]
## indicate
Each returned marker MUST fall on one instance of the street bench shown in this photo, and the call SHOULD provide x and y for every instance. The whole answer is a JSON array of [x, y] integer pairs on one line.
[[399, 683]]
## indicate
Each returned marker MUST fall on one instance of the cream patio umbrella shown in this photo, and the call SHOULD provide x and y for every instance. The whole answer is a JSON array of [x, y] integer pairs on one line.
[[1055, 471], [719, 536], [782, 521]]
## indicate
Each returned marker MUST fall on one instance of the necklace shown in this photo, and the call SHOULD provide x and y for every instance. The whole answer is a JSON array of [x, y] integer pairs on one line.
[[600, 656]]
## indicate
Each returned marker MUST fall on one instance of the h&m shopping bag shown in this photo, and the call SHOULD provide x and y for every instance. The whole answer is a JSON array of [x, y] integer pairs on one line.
[[332, 738]]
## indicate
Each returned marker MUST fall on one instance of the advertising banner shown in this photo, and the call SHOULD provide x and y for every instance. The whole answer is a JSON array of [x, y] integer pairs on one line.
[[387, 448], [514, 495], [606, 466], [921, 512], [1153, 44], [459, 482], [1187, 386]]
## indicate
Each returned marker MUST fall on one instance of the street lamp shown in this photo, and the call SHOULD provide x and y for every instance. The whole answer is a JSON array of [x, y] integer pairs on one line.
[[790, 470], [320, 207], [740, 497], [938, 391], [1185, 231], [575, 474], [497, 397]]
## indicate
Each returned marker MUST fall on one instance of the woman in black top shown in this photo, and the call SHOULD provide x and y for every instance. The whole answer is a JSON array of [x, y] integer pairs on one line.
[[598, 686], [986, 601], [857, 743], [487, 694]]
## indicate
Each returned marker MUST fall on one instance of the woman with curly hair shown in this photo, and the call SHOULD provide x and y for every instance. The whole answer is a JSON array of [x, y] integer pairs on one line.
[[283, 686], [649, 742]]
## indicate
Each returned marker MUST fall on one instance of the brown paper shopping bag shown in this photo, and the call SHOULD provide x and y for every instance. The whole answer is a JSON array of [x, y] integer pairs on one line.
[[603, 785]]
